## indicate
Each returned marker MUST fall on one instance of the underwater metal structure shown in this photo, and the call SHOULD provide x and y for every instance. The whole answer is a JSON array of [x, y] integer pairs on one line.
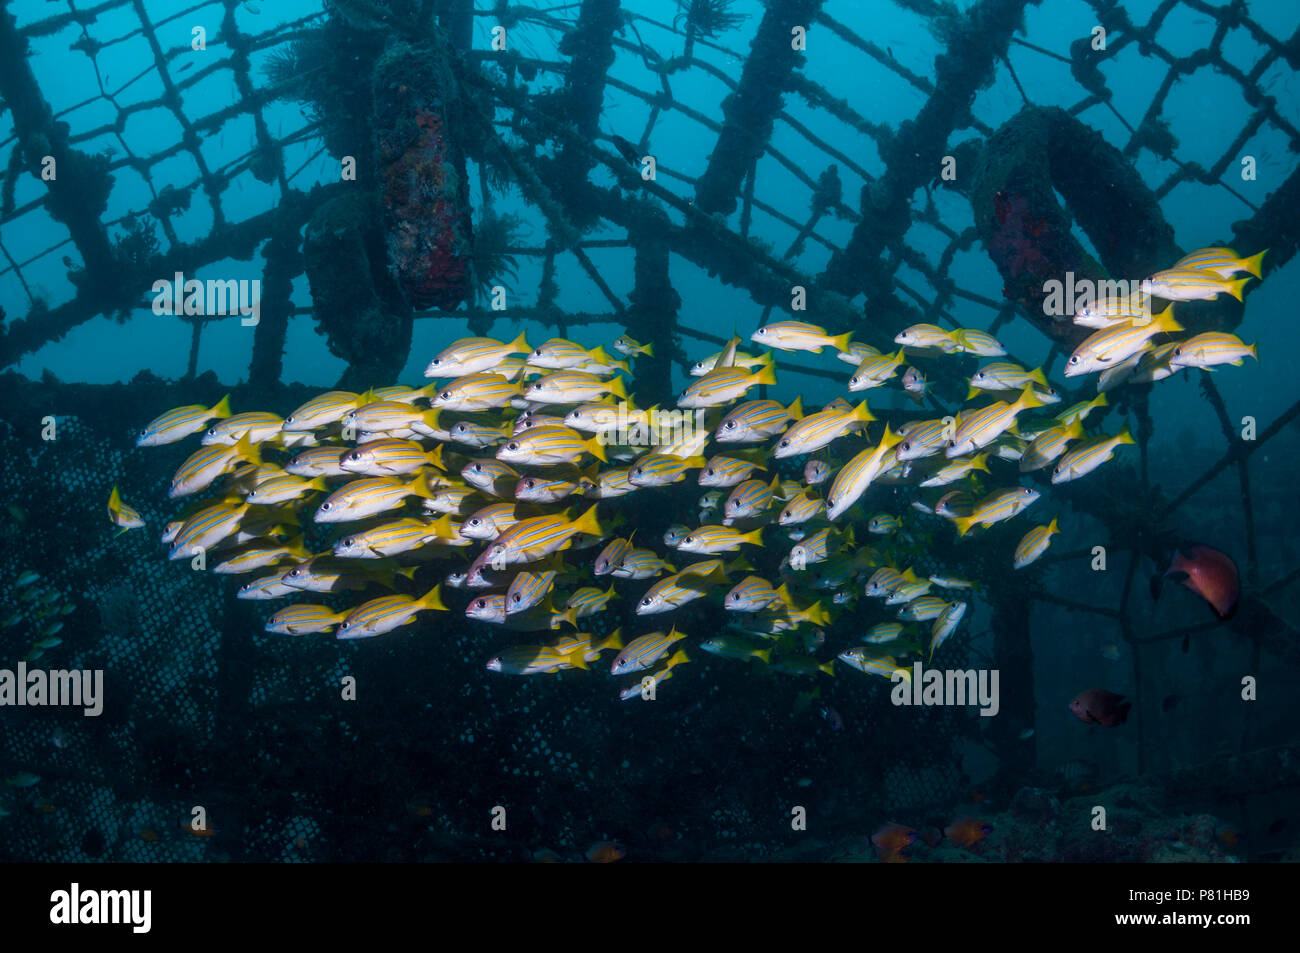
[[402, 244]]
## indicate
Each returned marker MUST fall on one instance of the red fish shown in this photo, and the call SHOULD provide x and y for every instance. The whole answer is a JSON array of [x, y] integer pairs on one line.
[[1210, 574], [1097, 706], [967, 830], [891, 839]]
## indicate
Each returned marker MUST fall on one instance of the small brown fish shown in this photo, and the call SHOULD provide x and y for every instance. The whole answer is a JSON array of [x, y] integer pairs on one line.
[[606, 852], [1097, 706], [966, 831], [891, 838]]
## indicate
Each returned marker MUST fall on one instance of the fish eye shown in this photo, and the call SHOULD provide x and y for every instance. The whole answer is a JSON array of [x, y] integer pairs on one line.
[[1074, 359], [445, 395], [731, 425], [513, 445], [853, 380], [517, 597], [689, 539], [708, 471], [289, 419], [475, 521], [1177, 351], [785, 443], [645, 602], [326, 506]]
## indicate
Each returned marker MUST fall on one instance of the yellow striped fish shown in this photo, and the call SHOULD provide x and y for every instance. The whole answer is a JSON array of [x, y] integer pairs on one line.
[[121, 515], [1111, 345], [1210, 349], [724, 384], [996, 507], [1035, 543], [472, 355], [1079, 462], [799, 336], [303, 620], [817, 430], [180, 422], [387, 613], [855, 476], [324, 410]]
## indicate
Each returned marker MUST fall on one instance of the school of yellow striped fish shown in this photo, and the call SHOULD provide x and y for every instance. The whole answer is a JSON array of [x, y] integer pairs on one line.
[[500, 479]]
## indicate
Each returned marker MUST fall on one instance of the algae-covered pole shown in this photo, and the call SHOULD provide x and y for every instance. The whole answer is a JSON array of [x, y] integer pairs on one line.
[[751, 110], [652, 316], [78, 184], [1011, 647], [913, 157], [283, 262], [590, 47]]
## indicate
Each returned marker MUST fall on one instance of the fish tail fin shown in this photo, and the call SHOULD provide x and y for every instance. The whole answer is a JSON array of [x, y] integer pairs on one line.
[[963, 524], [614, 640], [980, 462], [319, 483], [679, 657], [973, 392], [766, 374], [795, 409], [816, 614], [115, 501], [648, 349], [1054, 526], [739, 564], [828, 667], [1165, 319], [1029, 398], [588, 523], [841, 341], [1253, 350], [434, 457], [610, 593], [421, 486], [783, 593], [578, 658], [1124, 436], [520, 344], [593, 447], [754, 536], [570, 616], [1038, 377], [430, 418], [1234, 287], [245, 449], [433, 599], [764, 654], [617, 388], [862, 413], [1254, 263], [221, 409]]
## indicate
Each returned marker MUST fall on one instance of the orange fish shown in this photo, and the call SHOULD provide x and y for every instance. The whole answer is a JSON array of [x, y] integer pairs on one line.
[[606, 852], [891, 839], [544, 855], [967, 830], [1230, 836]]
